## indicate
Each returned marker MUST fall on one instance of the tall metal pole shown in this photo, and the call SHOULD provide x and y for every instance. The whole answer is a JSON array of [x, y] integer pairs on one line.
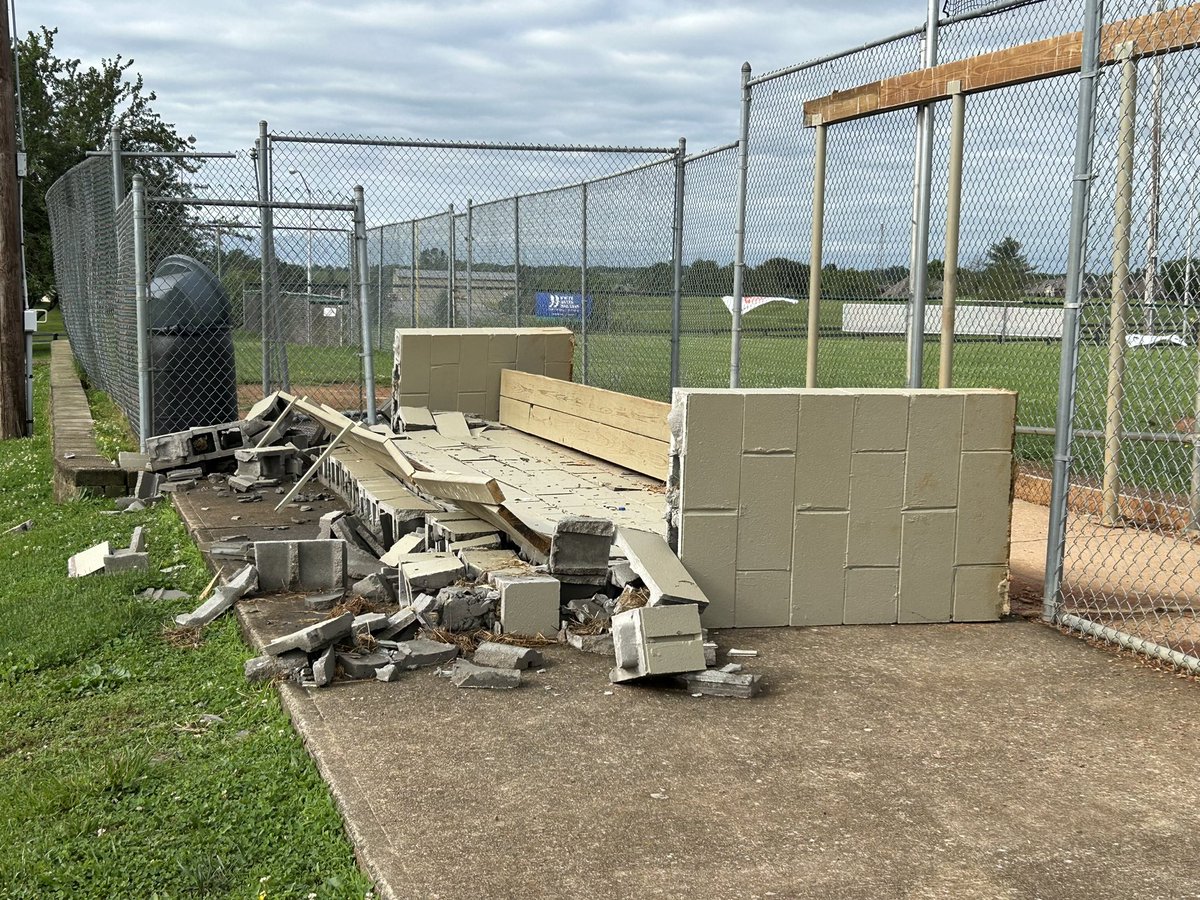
[[583, 277], [958, 107], [517, 261], [364, 301], [379, 317], [412, 278], [264, 235], [1194, 505], [118, 167], [1118, 315], [919, 273], [470, 262], [141, 315], [1150, 286], [739, 233], [815, 256], [677, 262], [1076, 261], [451, 265]]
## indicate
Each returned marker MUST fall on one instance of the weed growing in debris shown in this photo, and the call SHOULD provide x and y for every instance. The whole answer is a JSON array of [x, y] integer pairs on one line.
[[111, 784]]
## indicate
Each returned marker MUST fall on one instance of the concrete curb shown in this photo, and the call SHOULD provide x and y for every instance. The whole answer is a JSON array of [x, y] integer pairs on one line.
[[78, 463]]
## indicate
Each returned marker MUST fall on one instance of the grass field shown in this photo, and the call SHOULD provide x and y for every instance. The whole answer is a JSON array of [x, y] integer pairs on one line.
[[111, 783]]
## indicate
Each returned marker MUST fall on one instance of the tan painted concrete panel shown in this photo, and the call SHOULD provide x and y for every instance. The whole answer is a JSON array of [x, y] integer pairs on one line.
[[765, 512], [712, 453], [443, 387], [871, 596], [934, 445], [927, 565], [762, 599], [770, 422], [823, 451], [989, 420], [980, 593], [531, 352], [880, 420], [819, 568], [473, 364], [984, 507], [876, 495], [707, 549], [414, 361], [502, 348], [445, 349]]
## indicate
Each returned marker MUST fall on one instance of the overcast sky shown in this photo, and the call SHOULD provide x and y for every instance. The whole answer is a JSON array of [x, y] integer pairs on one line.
[[579, 71]]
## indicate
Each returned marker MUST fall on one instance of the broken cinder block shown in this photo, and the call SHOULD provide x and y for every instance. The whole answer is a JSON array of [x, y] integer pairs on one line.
[[580, 546], [719, 683], [314, 637], [507, 656], [243, 581], [529, 604], [317, 565], [469, 675], [659, 568], [89, 561], [657, 640]]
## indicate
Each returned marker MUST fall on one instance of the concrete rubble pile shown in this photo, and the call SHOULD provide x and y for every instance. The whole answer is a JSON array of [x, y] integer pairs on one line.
[[435, 562]]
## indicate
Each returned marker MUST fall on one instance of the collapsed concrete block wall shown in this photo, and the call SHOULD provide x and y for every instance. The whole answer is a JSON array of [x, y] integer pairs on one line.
[[843, 506], [459, 368]]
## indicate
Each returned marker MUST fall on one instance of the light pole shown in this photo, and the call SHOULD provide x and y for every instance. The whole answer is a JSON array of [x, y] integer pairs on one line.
[[307, 190]]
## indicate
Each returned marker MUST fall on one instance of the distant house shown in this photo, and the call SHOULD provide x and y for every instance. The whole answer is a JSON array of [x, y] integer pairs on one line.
[[1051, 287], [900, 290]]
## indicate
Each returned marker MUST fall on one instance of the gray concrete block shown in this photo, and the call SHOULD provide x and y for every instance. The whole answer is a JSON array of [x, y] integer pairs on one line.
[[657, 640], [368, 623], [222, 598], [823, 447], [268, 668], [880, 420], [871, 596], [431, 574], [89, 561], [769, 422], [708, 550], [601, 644], [388, 673], [137, 542], [401, 623], [377, 587], [480, 564], [765, 512], [323, 601], [507, 656], [621, 574], [362, 665], [716, 683], [317, 565], [989, 420], [422, 652], [664, 576], [580, 546], [984, 508], [414, 542], [819, 567], [529, 604], [980, 593], [876, 498], [934, 446], [468, 675], [711, 451], [314, 637], [147, 485], [126, 561], [763, 598], [325, 668], [325, 524], [927, 566]]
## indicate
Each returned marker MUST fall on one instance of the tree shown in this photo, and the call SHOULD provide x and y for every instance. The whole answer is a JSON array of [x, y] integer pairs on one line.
[[704, 276], [778, 277], [1005, 272], [68, 110]]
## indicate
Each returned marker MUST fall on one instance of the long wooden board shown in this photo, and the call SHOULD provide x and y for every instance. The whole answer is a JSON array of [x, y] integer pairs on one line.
[[633, 451], [635, 414], [1151, 35]]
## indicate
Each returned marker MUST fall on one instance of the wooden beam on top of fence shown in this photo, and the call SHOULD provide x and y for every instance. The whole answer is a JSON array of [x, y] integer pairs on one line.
[[1151, 35]]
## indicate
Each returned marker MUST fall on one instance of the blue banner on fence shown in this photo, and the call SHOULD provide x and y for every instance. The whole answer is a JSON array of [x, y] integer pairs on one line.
[[561, 306]]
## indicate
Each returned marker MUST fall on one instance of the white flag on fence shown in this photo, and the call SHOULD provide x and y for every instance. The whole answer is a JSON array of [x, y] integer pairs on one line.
[[749, 303]]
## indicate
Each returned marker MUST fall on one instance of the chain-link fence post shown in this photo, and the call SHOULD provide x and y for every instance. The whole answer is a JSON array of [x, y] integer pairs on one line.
[[739, 253], [676, 262], [379, 315], [364, 301], [815, 255], [958, 112], [470, 262], [919, 272], [140, 312], [412, 276], [583, 278], [1073, 301], [118, 166], [451, 274], [517, 261]]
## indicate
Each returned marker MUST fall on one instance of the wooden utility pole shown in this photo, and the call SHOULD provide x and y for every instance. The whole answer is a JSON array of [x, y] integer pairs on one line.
[[12, 304]]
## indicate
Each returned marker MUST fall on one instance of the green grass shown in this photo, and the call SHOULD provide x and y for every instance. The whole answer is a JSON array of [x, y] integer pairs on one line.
[[109, 784]]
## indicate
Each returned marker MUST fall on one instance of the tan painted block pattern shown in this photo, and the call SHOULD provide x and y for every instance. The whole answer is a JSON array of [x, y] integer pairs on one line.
[[927, 565], [980, 593], [443, 388], [934, 432], [762, 599], [871, 596], [876, 496], [765, 512], [712, 453], [988, 420], [984, 512], [444, 349], [819, 568], [823, 450], [880, 420], [770, 421], [502, 348], [708, 549]]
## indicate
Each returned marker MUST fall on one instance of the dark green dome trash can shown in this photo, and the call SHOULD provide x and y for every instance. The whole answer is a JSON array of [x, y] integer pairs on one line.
[[193, 378]]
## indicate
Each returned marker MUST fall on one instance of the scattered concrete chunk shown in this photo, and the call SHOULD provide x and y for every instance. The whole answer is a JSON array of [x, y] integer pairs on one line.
[[718, 683], [300, 565], [314, 637], [193, 474], [528, 604], [481, 564], [325, 668], [266, 667], [601, 644], [507, 656], [657, 640], [375, 587], [368, 623], [580, 546], [469, 675], [409, 543], [659, 568], [483, 542], [399, 623], [748, 654], [324, 601], [422, 652], [621, 573], [452, 425], [431, 574], [166, 594], [147, 485], [243, 581], [390, 672], [414, 418], [89, 561], [362, 665], [710, 653], [325, 526], [126, 561], [177, 487], [137, 543]]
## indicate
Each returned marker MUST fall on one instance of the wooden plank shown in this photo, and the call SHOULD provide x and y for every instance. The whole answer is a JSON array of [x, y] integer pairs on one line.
[[635, 414], [1151, 35], [633, 451], [449, 486]]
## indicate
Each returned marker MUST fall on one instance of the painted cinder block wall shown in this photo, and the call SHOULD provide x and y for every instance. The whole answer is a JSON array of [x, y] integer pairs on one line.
[[844, 506], [459, 368]]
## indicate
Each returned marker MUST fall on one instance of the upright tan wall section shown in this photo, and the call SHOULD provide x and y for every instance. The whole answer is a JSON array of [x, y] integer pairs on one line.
[[459, 368], [844, 506]]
